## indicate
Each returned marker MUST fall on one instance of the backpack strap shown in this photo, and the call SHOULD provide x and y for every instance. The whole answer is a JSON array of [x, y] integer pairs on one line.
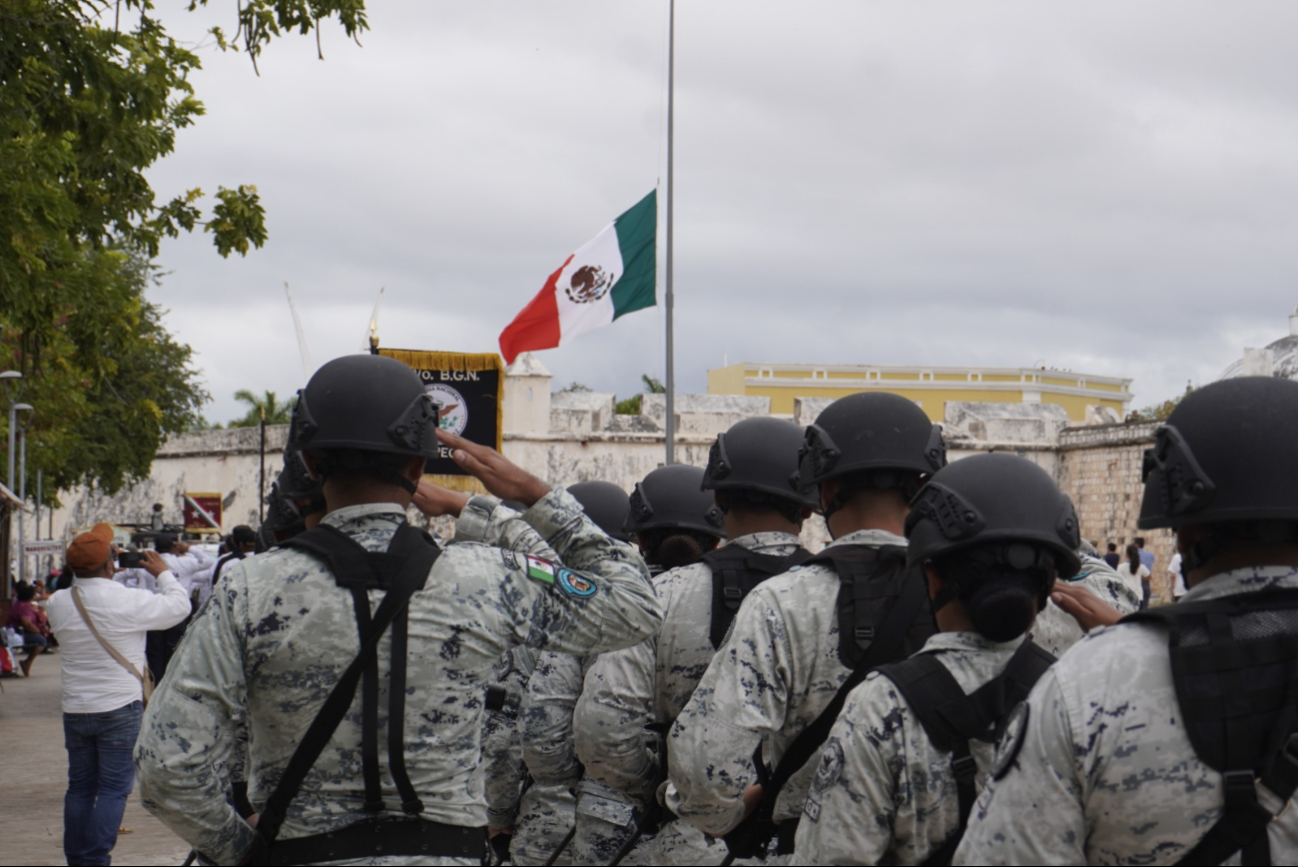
[[894, 621], [1237, 688], [951, 719], [735, 572], [413, 553], [870, 579]]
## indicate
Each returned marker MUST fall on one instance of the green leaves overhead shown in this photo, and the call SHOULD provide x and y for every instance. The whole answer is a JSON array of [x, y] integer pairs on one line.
[[92, 94]]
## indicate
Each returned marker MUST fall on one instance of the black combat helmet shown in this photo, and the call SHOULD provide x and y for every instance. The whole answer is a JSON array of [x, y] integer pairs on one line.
[[672, 497], [758, 454], [606, 504], [994, 498], [998, 531], [1225, 454], [365, 403], [877, 433]]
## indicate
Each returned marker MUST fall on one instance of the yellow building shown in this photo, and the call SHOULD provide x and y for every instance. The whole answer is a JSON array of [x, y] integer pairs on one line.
[[929, 387]]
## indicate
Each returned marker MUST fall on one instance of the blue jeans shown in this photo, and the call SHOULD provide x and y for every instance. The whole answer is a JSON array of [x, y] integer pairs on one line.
[[100, 776]]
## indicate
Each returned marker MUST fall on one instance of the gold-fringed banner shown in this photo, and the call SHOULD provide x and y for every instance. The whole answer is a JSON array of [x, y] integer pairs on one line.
[[469, 390]]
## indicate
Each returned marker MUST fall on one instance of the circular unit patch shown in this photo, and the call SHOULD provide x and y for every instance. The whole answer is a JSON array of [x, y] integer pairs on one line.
[[1016, 725], [452, 408], [575, 585]]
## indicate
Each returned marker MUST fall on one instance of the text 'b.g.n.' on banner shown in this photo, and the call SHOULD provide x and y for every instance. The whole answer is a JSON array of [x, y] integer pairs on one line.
[[468, 389]]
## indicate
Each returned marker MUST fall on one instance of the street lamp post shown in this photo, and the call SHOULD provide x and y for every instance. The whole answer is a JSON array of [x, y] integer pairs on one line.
[[7, 376], [14, 409], [22, 495]]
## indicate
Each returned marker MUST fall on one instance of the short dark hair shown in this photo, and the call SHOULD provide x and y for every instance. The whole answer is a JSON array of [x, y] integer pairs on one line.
[[1113, 546], [25, 591], [1140, 541]]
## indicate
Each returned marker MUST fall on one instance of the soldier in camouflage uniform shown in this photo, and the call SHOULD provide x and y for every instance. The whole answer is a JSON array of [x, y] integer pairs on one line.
[[274, 643], [542, 816], [502, 749], [545, 812], [1110, 766], [630, 693], [885, 790], [781, 666]]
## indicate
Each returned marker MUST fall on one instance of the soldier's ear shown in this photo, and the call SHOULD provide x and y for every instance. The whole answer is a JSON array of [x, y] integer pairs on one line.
[[414, 469], [935, 583]]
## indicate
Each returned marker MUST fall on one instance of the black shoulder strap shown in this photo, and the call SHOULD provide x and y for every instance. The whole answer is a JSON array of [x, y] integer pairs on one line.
[[870, 579], [894, 623], [418, 554], [735, 572], [1235, 669], [951, 719]]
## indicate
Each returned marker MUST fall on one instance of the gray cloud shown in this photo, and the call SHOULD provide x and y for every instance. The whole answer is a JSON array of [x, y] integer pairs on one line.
[[1108, 189]]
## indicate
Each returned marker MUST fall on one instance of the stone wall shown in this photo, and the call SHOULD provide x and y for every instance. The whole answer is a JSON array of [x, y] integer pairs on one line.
[[1100, 468]]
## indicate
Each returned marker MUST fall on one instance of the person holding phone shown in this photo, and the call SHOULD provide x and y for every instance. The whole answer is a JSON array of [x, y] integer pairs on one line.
[[101, 627]]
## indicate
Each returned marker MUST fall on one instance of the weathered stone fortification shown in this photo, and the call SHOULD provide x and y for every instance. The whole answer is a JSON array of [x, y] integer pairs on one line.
[[1100, 468], [567, 437]]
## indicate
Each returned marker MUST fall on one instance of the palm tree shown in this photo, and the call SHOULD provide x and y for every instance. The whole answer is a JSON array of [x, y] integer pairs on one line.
[[276, 412]]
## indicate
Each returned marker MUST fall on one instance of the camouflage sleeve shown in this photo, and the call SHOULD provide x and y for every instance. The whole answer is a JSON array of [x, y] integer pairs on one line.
[[848, 816], [741, 699], [1035, 813], [186, 733], [612, 717], [486, 519], [545, 719], [579, 591]]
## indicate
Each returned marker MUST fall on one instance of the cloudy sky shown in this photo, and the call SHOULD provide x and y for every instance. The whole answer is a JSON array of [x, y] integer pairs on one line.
[[1109, 188]]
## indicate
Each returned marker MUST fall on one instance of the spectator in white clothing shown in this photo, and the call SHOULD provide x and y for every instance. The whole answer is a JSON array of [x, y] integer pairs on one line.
[[102, 695], [1178, 580], [1136, 574]]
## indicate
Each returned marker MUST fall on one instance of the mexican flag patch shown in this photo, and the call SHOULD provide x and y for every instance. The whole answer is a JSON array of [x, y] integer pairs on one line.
[[541, 570]]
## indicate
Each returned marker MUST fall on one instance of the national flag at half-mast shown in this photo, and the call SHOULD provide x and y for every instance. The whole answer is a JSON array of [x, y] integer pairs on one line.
[[612, 275]]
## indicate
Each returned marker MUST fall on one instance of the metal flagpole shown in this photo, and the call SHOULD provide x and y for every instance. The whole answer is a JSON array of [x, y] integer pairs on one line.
[[671, 200]]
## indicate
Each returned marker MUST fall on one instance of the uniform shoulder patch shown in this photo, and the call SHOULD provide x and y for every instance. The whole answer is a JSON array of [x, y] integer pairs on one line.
[[575, 585], [541, 571], [1016, 725], [828, 771]]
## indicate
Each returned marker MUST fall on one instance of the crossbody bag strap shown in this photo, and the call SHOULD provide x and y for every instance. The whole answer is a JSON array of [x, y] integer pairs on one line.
[[112, 651]]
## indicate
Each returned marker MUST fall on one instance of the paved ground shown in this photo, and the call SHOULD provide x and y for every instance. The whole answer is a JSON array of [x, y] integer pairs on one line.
[[34, 768]]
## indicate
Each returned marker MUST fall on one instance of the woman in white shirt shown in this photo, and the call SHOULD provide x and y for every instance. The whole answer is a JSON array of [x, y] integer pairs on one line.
[[1135, 574]]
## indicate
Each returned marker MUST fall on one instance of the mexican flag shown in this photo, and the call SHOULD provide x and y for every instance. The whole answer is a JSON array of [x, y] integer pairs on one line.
[[609, 277]]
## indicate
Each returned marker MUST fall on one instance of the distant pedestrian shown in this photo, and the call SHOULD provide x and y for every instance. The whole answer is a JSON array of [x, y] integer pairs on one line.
[[1178, 579], [1136, 574], [1112, 557], [1146, 557], [101, 627]]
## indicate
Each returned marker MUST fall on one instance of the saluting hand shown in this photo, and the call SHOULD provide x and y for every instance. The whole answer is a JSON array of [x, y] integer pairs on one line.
[[499, 474], [1084, 606], [435, 501]]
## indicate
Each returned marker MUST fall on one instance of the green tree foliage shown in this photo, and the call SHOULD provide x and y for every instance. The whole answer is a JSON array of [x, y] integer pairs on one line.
[[108, 384], [92, 94], [1159, 411], [276, 411], [631, 405]]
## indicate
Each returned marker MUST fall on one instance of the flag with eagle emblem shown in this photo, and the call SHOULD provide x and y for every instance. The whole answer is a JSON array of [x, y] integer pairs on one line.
[[612, 275]]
